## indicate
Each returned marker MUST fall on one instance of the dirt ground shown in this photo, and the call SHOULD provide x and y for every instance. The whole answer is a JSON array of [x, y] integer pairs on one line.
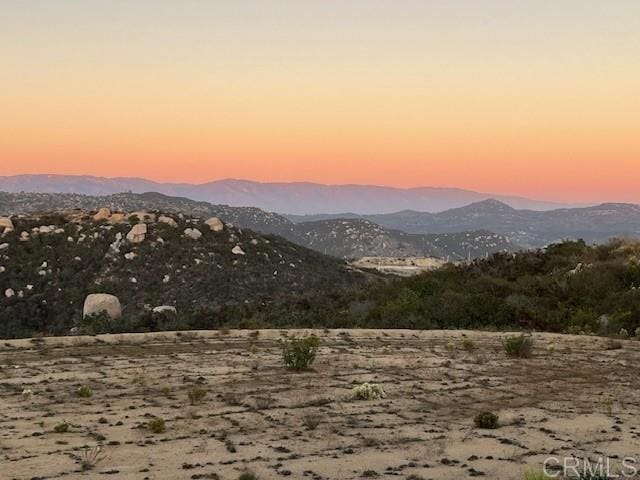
[[573, 397]]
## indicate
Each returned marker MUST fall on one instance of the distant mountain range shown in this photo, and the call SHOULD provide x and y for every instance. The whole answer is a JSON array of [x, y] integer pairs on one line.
[[343, 238], [527, 228], [292, 198]]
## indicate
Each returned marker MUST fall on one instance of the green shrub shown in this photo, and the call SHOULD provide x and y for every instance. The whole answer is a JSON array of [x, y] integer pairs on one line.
[[248, 476], [62, 427], [518, 347], [196, 395], [299, 353], [487, 420], [468, 345], [85, 392], [368, 391], [157, 425]]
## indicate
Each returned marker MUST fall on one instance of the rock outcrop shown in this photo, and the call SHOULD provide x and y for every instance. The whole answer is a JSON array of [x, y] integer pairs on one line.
[[6, 224], [103, 214], [167, 220], [137, 233], [102, 302], [215, 224], [193, 233]]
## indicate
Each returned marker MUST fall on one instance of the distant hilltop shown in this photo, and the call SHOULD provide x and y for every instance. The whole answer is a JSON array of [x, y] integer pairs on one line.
[[299, 198]]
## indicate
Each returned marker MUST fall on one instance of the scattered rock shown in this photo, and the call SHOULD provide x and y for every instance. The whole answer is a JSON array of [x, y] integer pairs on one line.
[[103, 214], [137, 233], [4, 246], [168, 220], [102, 302], [9, 292], [237, 250], [193, 233], [165, 309], [215, 224]]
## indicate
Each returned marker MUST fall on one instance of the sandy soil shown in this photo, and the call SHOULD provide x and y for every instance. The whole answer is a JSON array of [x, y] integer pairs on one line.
[[576, 398]]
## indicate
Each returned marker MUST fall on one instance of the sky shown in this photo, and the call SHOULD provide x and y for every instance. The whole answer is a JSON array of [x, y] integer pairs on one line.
[[538, 98]]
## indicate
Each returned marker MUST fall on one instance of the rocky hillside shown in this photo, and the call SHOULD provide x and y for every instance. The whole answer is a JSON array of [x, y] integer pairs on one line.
[[339, 238], [209, 272], [355, 238], [527, 228]]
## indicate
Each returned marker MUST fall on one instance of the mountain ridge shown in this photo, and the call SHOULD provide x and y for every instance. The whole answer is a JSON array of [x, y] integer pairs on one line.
[[283, 197]]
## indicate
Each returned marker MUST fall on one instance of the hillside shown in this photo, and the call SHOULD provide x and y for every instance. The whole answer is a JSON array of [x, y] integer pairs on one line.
[[332, 237], [50, 263], [527, 228], [569, 287], [293, 198], [359, 238]]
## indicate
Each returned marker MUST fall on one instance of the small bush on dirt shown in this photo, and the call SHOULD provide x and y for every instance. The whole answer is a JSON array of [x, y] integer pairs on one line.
[[518, 347], [300, 353], [311, 420], [368, 391], [196, 395], [157, 425], [468, 344], [62, 427], [85, 392], [487, 420], [262, 403], [248, 476], [91, 457]]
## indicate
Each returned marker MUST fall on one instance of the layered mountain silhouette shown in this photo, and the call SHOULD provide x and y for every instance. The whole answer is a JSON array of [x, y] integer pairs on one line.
[[292, 198]]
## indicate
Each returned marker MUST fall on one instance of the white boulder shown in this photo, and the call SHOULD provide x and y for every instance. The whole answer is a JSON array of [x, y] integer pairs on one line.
[[168, 220], [4, 246], [137, 233], [9, 292], [102, 302], [165, 309], [237, 250], [193, 233], [5, 222], [215, 224]]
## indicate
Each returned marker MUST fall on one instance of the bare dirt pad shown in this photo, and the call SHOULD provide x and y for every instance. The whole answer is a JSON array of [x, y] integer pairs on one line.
[[575, 398]]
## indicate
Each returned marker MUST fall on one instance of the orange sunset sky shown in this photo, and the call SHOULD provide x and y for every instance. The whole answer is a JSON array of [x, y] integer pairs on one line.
[[537, 98]]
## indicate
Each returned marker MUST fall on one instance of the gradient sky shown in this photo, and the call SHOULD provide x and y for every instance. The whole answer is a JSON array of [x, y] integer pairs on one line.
[[538, 98]]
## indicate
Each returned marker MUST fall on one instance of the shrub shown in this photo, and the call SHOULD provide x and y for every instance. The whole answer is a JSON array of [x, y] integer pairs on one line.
[[311, 421], [85, 392], [91, 457], [468, 345], [62, 427], [488, 420], [196, 395], [157, 425], [368, 391], [518, 347], [248, 476], [300, 353]]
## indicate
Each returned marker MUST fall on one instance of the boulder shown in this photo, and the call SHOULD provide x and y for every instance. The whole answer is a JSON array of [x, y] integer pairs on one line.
[[165, 309], [117, 218], [193, 233], [103, 214], [102, 302], [9, 292], [215, 224], [237, 250], [6, 225], [4, 246], [168, 220], [137, 233]]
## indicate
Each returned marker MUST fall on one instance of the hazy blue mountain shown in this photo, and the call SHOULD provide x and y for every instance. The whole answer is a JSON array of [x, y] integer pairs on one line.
[[291, 198]]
